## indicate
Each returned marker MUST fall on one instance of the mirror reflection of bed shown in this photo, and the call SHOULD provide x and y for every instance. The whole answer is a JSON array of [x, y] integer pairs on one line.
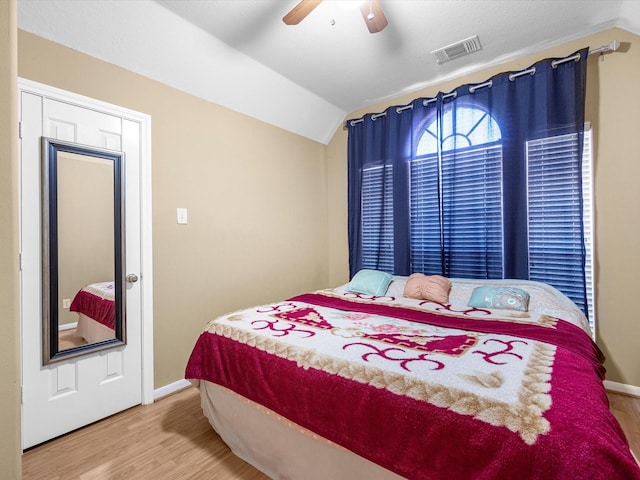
[[86, 300], [94, 305]]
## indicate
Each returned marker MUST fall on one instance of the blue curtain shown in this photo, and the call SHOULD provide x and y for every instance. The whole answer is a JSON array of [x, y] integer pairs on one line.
[[419, 154]]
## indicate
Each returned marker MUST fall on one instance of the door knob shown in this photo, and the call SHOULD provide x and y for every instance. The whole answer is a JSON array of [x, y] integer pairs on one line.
[[132, 278]]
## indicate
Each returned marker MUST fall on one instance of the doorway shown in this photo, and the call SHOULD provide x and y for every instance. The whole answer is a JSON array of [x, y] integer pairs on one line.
[[61, 396]]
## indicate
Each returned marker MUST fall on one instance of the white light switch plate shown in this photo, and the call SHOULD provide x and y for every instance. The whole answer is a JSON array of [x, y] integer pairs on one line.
[[182, 216]]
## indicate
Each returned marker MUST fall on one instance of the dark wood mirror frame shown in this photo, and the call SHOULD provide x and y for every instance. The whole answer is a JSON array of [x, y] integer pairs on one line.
[[50, 249]]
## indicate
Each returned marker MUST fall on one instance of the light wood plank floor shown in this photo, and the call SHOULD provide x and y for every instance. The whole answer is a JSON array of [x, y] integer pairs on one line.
[[627, 410], [69, 339], [172, 439]]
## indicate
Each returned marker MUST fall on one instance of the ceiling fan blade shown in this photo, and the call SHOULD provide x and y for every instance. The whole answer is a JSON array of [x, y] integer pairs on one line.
[[300, 11], [373, 16]]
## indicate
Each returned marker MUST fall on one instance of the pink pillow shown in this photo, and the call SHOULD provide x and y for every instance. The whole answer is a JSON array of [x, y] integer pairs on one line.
[[428, 287]]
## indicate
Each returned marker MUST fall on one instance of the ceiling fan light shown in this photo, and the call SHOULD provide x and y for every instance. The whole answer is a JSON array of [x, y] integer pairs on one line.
[[371, 11]]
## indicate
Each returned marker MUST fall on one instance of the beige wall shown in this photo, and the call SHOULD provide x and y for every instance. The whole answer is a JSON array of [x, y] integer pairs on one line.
[[10, 460], [613, 107], [256, 197]]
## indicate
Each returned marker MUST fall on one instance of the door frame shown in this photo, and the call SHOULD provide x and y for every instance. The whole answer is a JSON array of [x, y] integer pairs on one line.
[[146, 254]]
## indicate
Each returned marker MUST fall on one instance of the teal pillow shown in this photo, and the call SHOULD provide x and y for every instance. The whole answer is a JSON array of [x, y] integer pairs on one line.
[[504, 298], [372, 282]]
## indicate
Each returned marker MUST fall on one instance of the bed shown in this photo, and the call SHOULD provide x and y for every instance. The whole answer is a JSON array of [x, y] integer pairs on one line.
[[95, 306], [498, 379]]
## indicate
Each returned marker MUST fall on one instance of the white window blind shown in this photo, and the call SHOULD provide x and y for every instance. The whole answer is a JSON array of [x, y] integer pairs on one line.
[[555, 210], [377, 204], [472, 212], [589, 221], [426, 234], [471, 223]]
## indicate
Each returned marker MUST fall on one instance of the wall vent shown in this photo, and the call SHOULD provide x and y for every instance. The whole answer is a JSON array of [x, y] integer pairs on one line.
[[458, 49]]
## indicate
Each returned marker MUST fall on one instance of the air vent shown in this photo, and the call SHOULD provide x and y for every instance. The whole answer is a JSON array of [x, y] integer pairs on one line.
[[458, 49]]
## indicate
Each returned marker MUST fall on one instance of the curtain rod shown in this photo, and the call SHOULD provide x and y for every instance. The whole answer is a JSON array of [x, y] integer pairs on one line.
[[611, 47]]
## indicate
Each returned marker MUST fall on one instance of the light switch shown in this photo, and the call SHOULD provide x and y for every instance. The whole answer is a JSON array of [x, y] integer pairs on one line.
[[66, 302], [182, 216]]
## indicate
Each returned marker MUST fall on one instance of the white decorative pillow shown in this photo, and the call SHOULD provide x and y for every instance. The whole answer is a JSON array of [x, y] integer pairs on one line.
[[503, 298], [372, 282]]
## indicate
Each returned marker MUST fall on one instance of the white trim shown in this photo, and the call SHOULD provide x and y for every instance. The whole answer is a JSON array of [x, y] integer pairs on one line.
[[54, 93], [146, 256], [622, 388], [171, 388], [146, 261], [590, 237]]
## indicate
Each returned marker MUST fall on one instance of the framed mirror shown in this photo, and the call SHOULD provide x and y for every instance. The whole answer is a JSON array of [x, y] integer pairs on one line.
[[83, 249]]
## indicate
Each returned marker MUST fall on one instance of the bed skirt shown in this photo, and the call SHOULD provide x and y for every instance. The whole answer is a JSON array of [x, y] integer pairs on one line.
[[278, 447], [93, 331]]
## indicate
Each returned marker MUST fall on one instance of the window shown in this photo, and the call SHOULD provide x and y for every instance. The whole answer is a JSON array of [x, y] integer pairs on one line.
[[377, 203], [456, 196], [554, 216], [457, 213]]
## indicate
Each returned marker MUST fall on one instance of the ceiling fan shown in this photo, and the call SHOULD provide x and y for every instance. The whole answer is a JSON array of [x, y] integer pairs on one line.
[[371, 12]]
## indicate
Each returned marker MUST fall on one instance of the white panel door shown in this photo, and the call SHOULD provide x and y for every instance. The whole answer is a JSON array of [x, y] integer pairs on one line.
[[63, 396]]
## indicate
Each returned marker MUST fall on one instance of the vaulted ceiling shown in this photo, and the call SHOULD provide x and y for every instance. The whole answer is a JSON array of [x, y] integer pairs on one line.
[[306, 78]]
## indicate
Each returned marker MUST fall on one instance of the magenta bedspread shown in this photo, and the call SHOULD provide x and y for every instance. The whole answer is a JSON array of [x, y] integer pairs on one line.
[[423, 390], [98, 302]]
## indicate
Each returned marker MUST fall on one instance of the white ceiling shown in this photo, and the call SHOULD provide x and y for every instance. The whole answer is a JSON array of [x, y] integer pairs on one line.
[[306, 78]]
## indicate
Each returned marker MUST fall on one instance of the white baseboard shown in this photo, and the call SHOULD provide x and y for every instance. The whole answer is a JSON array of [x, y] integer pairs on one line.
[[622, 388], [171, 388]]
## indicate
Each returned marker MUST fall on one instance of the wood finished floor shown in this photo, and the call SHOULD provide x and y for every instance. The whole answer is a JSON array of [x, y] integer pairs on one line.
[[172, 439], [69, 339]]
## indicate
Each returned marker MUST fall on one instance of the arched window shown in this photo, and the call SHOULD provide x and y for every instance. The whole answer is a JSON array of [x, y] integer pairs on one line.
[[471, 126], [456, 195]]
